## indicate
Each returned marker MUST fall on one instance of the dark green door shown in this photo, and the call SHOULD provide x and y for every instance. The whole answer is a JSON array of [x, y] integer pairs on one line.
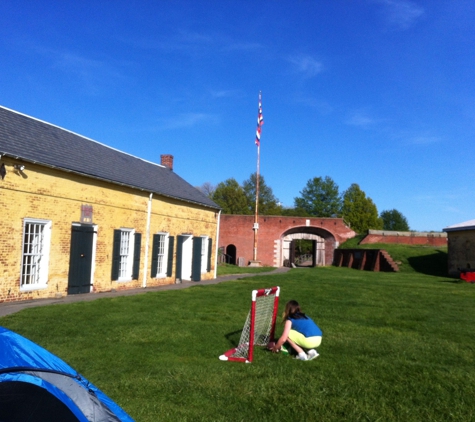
[[196, 261], [80, 261]]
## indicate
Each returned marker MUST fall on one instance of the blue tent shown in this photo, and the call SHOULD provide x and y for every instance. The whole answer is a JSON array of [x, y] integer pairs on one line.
[[36, 385]]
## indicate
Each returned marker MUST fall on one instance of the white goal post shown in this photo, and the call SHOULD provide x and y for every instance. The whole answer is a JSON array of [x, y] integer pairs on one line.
[[259, 328]]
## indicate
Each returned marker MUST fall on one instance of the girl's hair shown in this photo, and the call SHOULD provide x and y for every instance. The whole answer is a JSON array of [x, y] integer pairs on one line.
[[292, 310]]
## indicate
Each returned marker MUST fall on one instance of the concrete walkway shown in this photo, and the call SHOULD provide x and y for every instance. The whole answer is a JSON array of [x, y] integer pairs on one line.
[[12, 307]]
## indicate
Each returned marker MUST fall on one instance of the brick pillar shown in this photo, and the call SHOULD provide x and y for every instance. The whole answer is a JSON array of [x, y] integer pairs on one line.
[[167, 160]]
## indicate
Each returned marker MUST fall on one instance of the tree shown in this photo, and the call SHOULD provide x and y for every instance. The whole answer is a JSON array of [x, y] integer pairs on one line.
[[360, 211], [268, 203], [231, 198], [207, 188], [394, 220], [293, 212], [319, 198]]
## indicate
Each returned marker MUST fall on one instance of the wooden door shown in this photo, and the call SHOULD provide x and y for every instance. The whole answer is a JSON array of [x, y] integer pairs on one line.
[[80, 261]]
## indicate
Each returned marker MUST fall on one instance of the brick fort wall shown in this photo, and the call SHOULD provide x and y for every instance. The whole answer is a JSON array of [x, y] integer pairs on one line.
[[238, 230]]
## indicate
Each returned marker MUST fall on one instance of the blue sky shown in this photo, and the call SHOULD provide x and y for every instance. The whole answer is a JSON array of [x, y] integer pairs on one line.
[[375, 92]]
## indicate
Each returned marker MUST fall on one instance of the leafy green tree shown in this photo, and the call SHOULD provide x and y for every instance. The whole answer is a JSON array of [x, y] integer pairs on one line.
[[230, 196], [394, 220], [303, 246], [360, 211], [319, 198], [293, 212], [268, 203]]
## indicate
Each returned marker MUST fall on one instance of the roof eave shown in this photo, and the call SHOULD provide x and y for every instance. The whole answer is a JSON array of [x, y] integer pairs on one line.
[[109, 181], [458, 229]]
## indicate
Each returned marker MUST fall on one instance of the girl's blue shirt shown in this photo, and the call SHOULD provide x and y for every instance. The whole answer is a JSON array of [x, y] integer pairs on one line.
[[306, 326]]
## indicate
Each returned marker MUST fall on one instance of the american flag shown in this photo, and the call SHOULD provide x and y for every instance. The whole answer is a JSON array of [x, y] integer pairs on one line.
[[260, 121]]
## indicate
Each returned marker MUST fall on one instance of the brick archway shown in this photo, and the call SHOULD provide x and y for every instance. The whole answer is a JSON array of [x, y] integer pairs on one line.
[[287, 245], [238, 230]]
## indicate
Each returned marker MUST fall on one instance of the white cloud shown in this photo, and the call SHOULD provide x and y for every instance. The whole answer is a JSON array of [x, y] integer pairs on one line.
[[224, 93], [78, 64], [91, 74], [178, 40], [454, 210], [187, 120], [193, 37], [192, 42], [424, 140], [322, 106], [402, 13], [409, 137], [360, 119], [244, 47], [306, 65]]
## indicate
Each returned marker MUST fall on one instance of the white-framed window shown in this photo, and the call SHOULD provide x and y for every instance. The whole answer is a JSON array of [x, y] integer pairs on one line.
[[162, 254], [35, 254], [204, 254], [126, 253]]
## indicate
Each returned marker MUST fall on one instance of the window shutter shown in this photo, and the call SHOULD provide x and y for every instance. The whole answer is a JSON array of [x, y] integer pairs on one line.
[[196, 260], [136, 265], [116, 255], [171, 241], [210, 252], [179, 256], [153, 271]]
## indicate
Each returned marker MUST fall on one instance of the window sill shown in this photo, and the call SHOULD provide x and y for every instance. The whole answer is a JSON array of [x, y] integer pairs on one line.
[[30, 288]]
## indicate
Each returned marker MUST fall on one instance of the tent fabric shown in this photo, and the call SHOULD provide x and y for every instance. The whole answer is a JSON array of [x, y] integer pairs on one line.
[[27, 371], [22, 401], [23, 398]]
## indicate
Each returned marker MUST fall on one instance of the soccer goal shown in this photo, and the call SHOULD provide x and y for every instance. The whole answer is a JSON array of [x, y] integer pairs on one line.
[[259, 328]]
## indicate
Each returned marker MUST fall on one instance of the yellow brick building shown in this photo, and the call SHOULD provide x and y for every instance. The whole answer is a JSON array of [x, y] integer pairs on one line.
[[80, 217]]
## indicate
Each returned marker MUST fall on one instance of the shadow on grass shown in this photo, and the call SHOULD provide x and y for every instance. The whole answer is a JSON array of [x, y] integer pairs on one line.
[[434, 264], [234, 337], [453, 280]]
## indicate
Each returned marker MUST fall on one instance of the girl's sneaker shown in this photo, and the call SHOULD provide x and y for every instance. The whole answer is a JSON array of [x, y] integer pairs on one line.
[[284, 350], [301, 356], [312, 354]]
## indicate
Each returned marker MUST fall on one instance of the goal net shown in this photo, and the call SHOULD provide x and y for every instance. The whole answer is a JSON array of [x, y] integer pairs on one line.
[[259, 327]]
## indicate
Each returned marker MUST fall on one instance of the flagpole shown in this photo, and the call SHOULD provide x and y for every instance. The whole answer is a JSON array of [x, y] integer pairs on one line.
[[260, 122], [256, 216]]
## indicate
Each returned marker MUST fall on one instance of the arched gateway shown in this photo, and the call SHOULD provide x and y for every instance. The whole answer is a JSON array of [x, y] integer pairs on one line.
[[277, 237], [313, 257]]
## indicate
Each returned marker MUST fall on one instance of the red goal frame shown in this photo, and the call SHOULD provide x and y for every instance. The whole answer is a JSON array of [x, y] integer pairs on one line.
[[259, 325]]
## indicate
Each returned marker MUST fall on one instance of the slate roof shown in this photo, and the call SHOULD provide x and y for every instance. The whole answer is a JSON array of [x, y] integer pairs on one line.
[[35, 141], [466, 225]]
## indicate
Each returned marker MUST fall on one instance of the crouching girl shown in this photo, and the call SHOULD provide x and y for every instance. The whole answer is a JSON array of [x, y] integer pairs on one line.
[[300, 332]]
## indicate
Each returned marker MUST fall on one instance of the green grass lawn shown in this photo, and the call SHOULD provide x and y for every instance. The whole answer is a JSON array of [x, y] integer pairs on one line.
[[396, 347], [228, 269]]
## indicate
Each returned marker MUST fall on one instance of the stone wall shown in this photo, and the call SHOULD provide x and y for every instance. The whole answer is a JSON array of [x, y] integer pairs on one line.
[[407, 238]]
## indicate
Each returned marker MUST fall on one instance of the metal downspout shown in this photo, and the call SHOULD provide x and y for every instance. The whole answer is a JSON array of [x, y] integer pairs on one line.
[[147, 241], [217, 248]]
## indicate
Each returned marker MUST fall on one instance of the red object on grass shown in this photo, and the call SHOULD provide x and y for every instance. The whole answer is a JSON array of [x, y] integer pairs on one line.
[[468, 276]]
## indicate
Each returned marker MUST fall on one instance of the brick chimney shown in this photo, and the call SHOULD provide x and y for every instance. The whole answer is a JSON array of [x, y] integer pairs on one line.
[[167, 160]]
